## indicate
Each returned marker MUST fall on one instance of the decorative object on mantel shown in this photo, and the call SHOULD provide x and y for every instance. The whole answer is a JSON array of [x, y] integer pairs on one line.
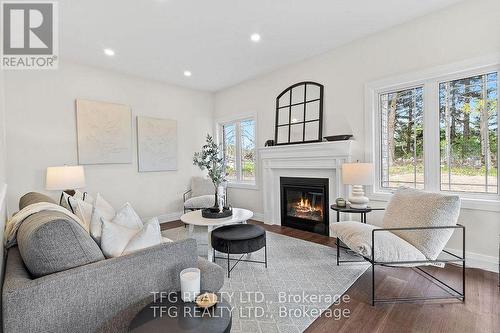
[[338, 137], [299, 114], [357, 175], [210, 159], [65, 178], [340, 202], [269, 143], [104, 132], [156, 144]]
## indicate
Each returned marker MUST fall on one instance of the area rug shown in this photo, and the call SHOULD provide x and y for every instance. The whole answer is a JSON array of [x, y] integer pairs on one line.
[[302, 280]]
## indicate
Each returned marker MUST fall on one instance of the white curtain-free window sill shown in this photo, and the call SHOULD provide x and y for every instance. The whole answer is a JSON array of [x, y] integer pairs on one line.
[[248, 186], [467, 203]]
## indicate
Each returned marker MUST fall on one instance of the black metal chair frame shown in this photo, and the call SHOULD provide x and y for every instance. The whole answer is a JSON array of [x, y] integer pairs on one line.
[[228, 258], [453, 293]]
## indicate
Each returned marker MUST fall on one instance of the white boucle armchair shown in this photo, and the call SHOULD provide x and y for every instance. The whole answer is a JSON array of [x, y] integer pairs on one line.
[[416, 227]]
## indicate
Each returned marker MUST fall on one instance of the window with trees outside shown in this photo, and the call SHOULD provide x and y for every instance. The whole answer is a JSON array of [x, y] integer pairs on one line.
[[441, 134], [238, 139]]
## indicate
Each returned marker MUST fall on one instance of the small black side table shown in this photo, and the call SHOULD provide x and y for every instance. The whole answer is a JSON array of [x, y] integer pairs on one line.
[[348, 209], [171, 314]]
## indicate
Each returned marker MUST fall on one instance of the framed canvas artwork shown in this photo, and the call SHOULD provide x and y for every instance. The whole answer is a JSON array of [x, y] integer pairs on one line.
[[156, 144], [104, 132]]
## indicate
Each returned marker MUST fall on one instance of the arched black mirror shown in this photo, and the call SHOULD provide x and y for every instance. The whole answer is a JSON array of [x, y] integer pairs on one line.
[[299, 114]]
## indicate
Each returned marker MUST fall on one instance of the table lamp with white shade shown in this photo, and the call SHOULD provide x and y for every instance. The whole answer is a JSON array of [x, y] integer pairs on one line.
[[65, 178], [357, 175]]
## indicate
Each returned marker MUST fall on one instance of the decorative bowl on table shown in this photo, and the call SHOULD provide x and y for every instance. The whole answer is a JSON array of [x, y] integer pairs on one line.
[[215, 213], [206, 300]]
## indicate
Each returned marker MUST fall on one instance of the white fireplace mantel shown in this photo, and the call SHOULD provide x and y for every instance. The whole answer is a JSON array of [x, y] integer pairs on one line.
[[311, 160]]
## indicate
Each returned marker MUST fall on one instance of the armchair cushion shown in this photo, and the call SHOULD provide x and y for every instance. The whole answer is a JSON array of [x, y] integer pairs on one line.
[[388, 247], [203, 201], [415, 208], [201, 186]]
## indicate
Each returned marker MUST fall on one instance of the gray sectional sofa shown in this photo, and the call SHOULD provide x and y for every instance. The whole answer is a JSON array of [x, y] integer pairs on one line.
[[57, 279]]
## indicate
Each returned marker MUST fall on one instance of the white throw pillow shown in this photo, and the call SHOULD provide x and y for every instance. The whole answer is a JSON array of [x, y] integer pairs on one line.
[[84, 196], [149, 235], [83, 210], [102, 209], [114, 238], [127, 217], [65, 201]]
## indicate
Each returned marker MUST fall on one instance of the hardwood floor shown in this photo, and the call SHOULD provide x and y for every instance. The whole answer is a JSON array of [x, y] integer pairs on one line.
[[479, 313]]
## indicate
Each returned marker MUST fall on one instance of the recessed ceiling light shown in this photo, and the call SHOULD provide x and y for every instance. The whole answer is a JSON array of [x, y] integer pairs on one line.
[[109, 52], [255, 38], [187, 73]]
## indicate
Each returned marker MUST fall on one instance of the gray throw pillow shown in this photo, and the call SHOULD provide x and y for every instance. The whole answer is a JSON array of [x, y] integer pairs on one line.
[[415, 208]]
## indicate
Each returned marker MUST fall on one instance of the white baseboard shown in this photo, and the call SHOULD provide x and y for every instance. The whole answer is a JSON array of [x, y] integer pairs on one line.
[[476, 260], [169, 217], [258, 217]]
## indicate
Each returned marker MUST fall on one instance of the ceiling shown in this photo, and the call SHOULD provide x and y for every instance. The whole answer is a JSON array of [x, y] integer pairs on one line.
[[160, 39]]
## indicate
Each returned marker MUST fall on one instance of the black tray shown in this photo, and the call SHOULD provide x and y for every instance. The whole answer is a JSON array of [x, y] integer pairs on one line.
[[213, 212], [338, 137]]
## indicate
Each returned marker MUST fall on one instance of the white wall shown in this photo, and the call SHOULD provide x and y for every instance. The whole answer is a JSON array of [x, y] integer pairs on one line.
[[41, 132], [467, 30], [3, 185]]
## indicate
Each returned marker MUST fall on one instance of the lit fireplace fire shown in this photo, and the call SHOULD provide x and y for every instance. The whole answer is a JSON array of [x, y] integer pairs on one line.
[[306, 210]]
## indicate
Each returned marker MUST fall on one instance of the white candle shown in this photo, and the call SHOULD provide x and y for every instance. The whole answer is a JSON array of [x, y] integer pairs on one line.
[[190, 284]]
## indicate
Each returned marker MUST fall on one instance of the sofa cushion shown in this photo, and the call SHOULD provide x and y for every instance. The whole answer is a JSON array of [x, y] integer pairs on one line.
[[50, 242], [415, 208], [388, 247], [201, 186], [203, 201], [34, 197]]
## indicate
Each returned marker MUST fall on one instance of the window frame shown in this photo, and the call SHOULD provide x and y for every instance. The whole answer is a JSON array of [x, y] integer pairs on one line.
[[429, 79], [219, 127]]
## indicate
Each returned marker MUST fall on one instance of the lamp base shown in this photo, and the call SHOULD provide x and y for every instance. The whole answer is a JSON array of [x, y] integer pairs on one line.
[[357, 198]]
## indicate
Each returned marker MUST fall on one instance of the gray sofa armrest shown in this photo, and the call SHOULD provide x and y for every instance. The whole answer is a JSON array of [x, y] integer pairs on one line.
[[87, 298], [212, 275]]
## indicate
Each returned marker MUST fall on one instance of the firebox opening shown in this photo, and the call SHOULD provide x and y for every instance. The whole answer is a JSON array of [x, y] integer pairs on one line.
[[304, 204]]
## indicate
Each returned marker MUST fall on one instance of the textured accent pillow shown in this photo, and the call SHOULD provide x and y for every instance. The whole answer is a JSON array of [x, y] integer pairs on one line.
[[415, 208], [201, 186], [65, 201], [149, 235], [83, 210], [118, 240], [102, 210], [114, 238], [127, 217], [84, 196]]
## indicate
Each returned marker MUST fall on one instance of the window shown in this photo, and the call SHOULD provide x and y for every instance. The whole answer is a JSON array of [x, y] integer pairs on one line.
[[439, 132], [238, 138], [402, 138], [468, 124]]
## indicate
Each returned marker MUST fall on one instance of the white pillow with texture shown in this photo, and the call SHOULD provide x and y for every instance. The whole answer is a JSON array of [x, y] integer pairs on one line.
[[149, 235], [102, 210], [83, 210], [65, 201], [84, 196], [114, 238], [127, 217]]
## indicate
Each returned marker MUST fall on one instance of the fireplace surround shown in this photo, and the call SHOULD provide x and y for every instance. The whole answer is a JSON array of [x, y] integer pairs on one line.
[[309, 160], [304, 204]]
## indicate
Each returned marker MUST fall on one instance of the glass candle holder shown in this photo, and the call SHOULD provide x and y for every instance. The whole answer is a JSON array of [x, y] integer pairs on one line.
[[190, 284]]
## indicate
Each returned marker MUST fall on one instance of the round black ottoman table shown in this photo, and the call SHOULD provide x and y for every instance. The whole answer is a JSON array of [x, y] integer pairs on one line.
[[239, 239]]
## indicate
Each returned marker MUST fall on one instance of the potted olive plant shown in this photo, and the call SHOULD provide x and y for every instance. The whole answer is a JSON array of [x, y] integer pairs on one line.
[[211, 159]]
